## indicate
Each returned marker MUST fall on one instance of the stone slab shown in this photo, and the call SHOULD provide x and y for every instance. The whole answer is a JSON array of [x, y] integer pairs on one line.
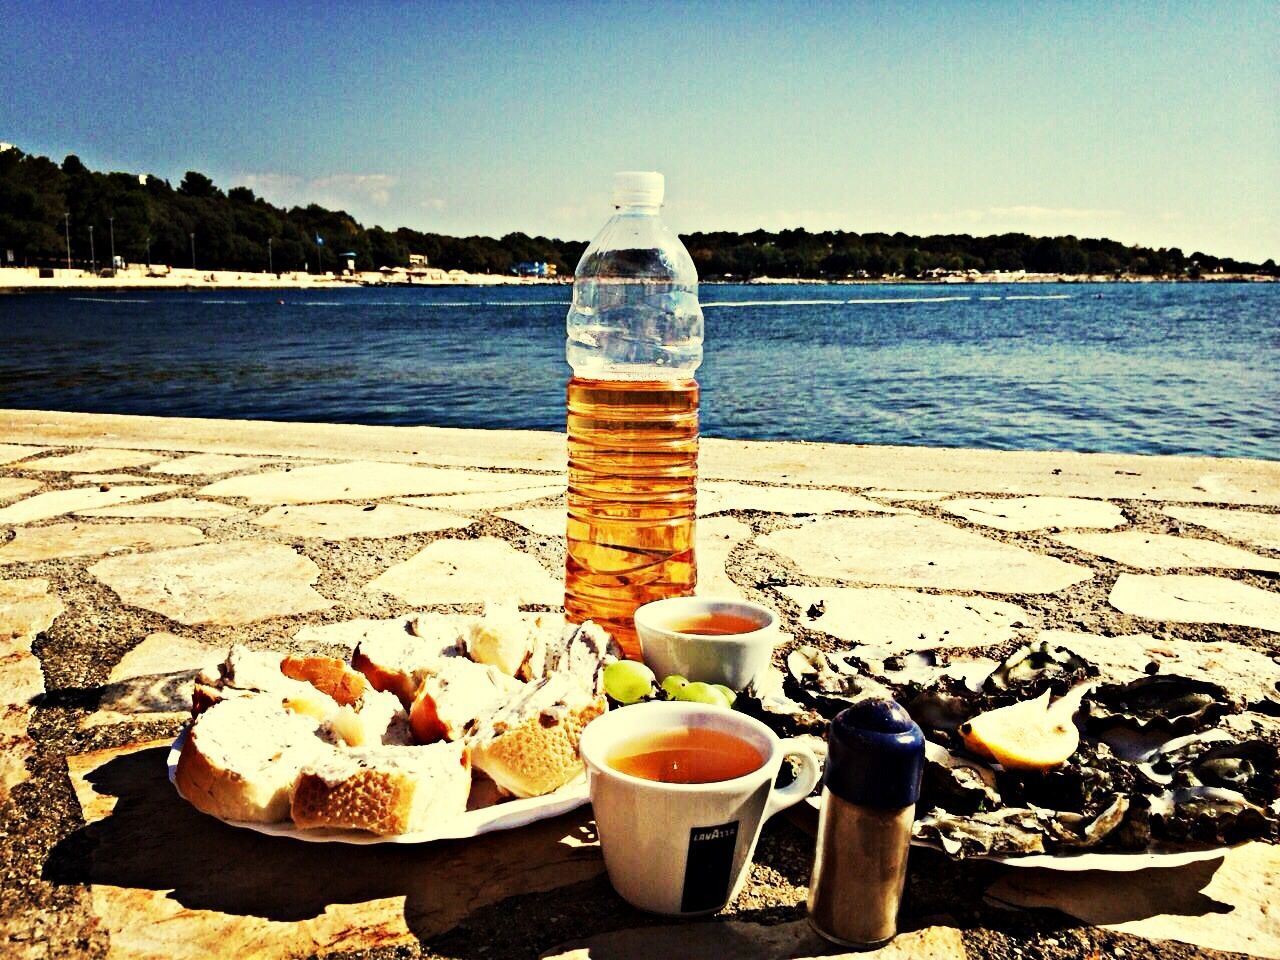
[[902, 621], [547, 521], [26, 609], [250, 895], [497, 500], [162, 653], [795, 940], [1234, 666], [172, 508], [55, 503], [349, 521], [1164, 551], [153, 681], [109, 478], [896, 496], [470, 571], [93, 460], [913, 551], [1037, 513], [11, 487], [1105, 475], [364, 480], [519, 449], [91, 539], [350, 633], [347, 634], [236, 582], [11, 452], [1225, 904], [1187, 598], [207, 464], [717, 537], [1259, 529], [715, 496]]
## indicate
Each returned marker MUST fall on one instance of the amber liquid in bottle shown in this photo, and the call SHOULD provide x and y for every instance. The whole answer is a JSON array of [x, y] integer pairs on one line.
[[633, 459]]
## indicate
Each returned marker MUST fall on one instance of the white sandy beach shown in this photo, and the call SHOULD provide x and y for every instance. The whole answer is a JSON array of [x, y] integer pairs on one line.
[[135, 278], [17, 279]]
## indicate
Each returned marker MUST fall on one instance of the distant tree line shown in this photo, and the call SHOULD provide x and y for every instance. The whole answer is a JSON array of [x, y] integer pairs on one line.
[[153, 222]]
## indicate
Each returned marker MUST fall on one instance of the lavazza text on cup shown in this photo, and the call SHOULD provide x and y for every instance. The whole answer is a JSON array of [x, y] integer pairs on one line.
[[682, 848]]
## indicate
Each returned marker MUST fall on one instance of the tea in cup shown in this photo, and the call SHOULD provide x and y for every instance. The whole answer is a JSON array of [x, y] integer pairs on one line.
[[702, 638], [680, 791]]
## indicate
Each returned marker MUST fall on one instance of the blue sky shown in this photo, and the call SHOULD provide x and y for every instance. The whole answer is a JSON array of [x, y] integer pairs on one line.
[[1153, 124]]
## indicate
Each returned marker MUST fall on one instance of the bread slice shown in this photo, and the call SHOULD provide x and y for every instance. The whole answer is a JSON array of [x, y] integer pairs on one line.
[[243, 756], [329, 675], [529, 745], [514, 642], [377, 718], [582, 651], [262, 672], [399, 664], [204, 695], [455, 695], [386, 790]]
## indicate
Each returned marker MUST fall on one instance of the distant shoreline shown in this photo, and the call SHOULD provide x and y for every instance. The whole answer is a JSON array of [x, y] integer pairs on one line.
[[28, 280]]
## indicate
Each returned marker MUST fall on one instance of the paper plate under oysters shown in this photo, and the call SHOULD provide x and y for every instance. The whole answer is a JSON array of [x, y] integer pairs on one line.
[[1121, 769], [501, 816], [1112, 862]]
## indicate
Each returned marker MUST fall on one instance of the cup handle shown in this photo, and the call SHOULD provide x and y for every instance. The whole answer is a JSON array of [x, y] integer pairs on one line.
[[810, 770]]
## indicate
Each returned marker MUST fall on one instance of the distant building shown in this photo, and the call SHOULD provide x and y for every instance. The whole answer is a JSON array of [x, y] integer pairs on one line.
[[534, 268], [417, 260]]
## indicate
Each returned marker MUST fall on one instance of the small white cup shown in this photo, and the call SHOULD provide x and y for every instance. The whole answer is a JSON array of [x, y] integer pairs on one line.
[[732, 659], [682, 848]]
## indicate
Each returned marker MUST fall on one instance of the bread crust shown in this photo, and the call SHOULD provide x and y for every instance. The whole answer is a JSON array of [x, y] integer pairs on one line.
[[536, 756], [216, 788], [383, 799], [374, 800], [399, 682], [329, 675]]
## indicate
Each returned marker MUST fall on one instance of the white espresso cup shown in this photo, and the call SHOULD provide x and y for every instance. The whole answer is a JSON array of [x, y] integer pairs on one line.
[[732, 659], [682, 848]]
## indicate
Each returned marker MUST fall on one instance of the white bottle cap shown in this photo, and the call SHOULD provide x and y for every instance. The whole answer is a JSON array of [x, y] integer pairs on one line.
[[638, 188]]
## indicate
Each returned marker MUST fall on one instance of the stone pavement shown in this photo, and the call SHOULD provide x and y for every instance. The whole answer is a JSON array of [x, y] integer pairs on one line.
[[134, 550]]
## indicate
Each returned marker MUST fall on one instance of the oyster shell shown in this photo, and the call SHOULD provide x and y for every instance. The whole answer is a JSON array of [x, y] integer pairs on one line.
[[766, 700], [956, 784], [829, 682], [1249, 768], [1080, 831], [1163, 703], [1037, 667], [1086, 784], [1012, 830], [1213, 815]]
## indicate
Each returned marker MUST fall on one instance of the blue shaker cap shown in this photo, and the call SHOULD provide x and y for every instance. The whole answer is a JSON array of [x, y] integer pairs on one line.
[[875, 755]]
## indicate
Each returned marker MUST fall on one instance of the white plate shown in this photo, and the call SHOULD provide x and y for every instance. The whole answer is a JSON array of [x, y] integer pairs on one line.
[[501, 816], [1123, 862]]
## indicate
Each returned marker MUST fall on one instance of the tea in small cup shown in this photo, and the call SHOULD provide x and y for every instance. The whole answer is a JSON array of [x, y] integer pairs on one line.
[[701, 638], [680, 791]]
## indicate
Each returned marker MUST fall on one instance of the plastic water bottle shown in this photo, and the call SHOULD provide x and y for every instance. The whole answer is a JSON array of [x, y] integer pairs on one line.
[[634, 342]]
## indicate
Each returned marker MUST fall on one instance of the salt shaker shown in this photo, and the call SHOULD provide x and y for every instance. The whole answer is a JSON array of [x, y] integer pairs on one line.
[[875, 756]]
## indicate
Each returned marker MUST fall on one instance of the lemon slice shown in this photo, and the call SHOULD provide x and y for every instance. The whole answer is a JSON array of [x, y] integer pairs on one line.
[[1025, 736]]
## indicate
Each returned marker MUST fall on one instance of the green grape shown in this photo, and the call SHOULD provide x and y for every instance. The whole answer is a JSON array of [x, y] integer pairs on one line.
[[727, 693], [628, 681], [673, 684], [699, 692]]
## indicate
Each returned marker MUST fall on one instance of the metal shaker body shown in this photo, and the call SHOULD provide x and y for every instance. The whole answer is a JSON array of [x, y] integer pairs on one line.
[[872, 781]]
